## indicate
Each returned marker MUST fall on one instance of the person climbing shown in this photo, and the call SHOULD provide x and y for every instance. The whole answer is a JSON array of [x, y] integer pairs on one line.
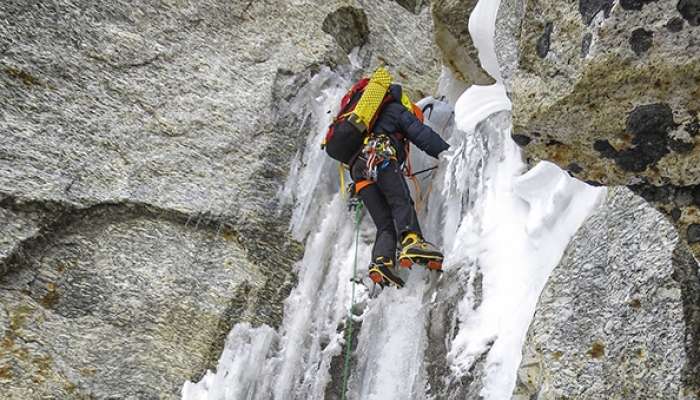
[[371, 135]]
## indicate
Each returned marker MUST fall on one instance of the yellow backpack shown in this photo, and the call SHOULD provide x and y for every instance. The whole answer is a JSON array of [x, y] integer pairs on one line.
[[358, 111], [371, 101]]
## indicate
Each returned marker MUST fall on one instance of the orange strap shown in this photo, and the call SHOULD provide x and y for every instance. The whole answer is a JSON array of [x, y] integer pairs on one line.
[[359, 185], [418, 113]]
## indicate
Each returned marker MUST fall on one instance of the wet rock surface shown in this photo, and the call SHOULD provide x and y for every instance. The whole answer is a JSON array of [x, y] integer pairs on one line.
[[619, 317], [414, 6], [451, 19], [144, 145], [616, 84], [442, 327], [634, 4], [694, 233], [544, 40], [348, 26], [690, 10], [590, 8]]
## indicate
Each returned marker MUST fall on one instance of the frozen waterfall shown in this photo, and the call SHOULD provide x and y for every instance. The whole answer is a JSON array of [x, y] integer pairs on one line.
[[502, 228]]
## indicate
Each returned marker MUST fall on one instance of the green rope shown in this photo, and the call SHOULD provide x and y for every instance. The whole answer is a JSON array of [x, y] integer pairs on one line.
[[348, 336]]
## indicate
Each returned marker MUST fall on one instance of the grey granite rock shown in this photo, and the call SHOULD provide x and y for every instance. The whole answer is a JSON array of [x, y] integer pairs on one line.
[[17, 227], [143, 147], [403, 42], [121, 302], [508, 20], [620, 316], [348, 26], [414, 6]]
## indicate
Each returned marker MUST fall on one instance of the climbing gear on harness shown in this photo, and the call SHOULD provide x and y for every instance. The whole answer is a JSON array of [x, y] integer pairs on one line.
[[381, 272], [358, 111], [416, 250], [354, 200], [379, 146], [379, 151]]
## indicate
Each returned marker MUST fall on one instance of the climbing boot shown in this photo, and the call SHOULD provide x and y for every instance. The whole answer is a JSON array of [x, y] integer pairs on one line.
[[416, 250], [381, 271]]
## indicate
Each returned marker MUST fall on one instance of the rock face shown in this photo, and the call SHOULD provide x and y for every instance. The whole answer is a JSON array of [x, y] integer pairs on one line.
[[119, 295], [348, 25], [451, 18], [620, 315], [414, 6], [610, 90], [510, 14], [143, 147]]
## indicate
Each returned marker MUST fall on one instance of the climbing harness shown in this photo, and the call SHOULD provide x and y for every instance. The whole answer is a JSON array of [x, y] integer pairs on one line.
[[348, 336], [378, 151]]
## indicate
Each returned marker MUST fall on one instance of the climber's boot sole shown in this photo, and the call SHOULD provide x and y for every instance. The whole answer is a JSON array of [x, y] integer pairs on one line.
[[433, 263], [383, 276]]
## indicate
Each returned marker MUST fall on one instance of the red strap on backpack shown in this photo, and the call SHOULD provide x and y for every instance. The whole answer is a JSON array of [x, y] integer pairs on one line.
[[344, 102], [358, 86]]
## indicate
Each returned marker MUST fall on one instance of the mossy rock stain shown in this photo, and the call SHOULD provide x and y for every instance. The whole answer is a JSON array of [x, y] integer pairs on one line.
[[6, 372], [230, 236], [597, 350], [18, 317], [89, 372], [23, 76], [636, 304], [51, 298], [8, 342]]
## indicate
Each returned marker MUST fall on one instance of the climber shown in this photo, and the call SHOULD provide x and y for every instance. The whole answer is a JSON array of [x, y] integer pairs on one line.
[[377, 167]]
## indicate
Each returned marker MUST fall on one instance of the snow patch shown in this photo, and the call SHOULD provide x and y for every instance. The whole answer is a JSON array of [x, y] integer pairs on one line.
[[477, 103], [482, 28]]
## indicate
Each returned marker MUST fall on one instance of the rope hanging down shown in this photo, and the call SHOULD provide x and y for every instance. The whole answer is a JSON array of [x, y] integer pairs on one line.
[[348, 336]]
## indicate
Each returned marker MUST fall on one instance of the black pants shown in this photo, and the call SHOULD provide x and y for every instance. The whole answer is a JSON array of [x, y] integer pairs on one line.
[[389, 203]]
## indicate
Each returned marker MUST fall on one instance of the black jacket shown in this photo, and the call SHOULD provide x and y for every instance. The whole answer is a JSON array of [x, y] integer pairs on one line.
[[396, 119]]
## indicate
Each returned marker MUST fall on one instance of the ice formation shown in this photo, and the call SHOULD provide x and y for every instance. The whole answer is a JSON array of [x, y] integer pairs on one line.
[[497, 223]]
